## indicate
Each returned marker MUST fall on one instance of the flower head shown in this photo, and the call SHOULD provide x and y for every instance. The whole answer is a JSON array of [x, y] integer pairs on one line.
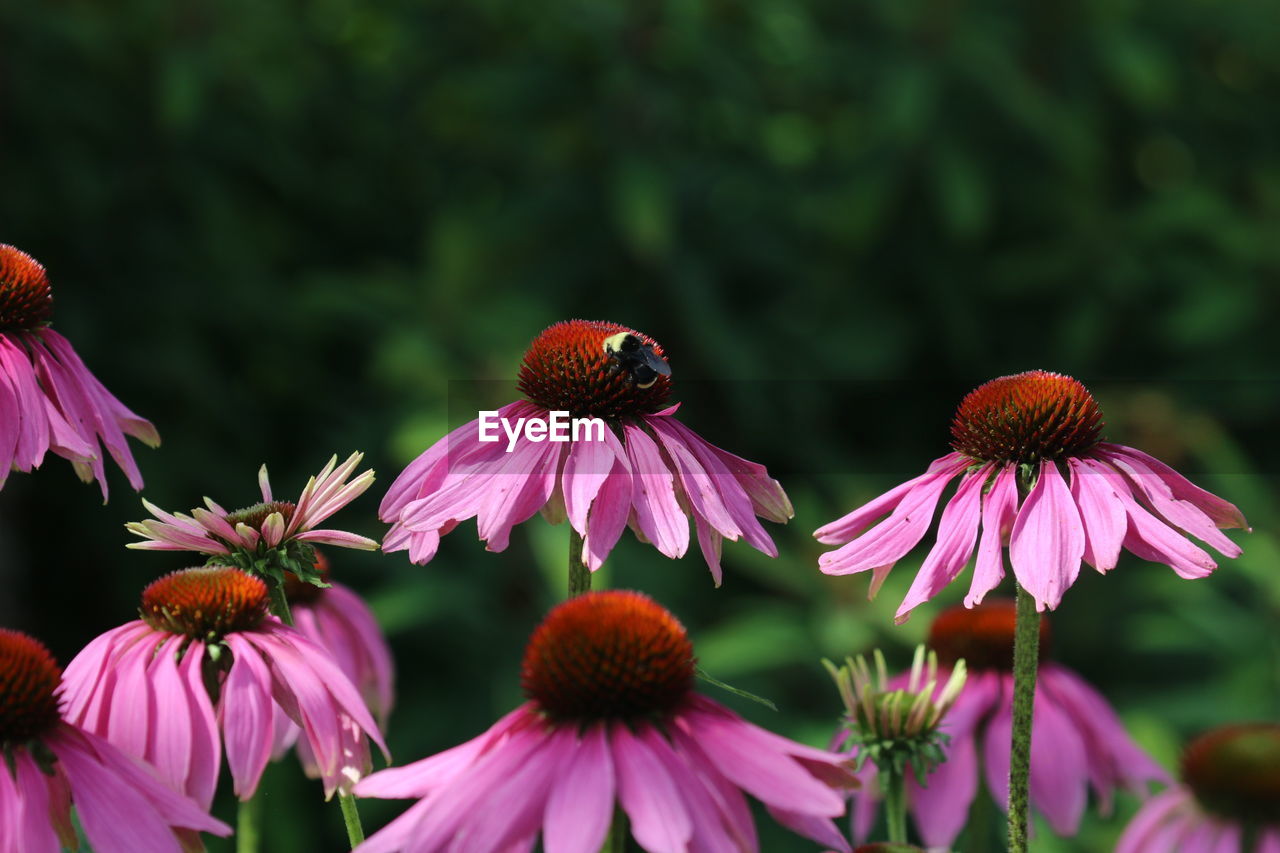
[[895, 725], [644, 469], [48, 765], [207, 667], [268, 538], [1077, 741], [49, 399], [611, 717], [1230, 791], [1035, 474]]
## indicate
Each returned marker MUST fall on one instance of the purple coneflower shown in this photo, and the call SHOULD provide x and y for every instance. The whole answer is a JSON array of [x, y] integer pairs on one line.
[[1077, 740], [48, 399], [207, 666], [646, 471], [48, 765], [1036, 434], [269, 524], [338, 620], [611, 719], [1229, 801]]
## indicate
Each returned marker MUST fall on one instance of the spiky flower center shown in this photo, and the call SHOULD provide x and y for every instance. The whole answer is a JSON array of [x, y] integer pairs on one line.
[[981, 635], [26, 300], [1234, 772], [298, 591], [595, 369], [1026, 418], [254, 516], [608, 655], [28, 678], [205, 603]]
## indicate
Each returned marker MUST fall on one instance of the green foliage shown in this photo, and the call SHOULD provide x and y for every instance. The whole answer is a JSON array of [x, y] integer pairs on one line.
[[280, 230]]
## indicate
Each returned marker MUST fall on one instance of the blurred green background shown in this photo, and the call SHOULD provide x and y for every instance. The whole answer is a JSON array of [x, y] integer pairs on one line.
[[279, 230]]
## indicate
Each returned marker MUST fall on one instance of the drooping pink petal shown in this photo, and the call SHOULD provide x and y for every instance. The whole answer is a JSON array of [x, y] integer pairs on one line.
[[1047, 542], [659, 821], [610, 509], [999, 509], [847, 528], [372, 669], [586, 468], [247, 715], [1223, 513], [768, 500], [1151, 539], [1180, 513], [697, 485], [28, 826], [1149, 820], [1101, 512], [171, 734], [709, 542], [580, 805], [720, 819], [941, 805], [519, 487], [891, 539], [1059, 774], [957, 533], [658, 513]]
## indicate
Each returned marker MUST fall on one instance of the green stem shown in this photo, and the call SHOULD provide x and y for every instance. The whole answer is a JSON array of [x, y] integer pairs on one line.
[[980, 827], [1026, 658], [247, 825], [355, 832], [279, 602], [616, 840], [895, 806], [579, 575]]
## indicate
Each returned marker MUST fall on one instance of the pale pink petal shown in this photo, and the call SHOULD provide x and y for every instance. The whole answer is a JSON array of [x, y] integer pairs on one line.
[[697, 485], [999, 509], [273, 529], [580, 806], [659, 821], [247, 715], [31, 828], [1101, 512], [1223, 513], [768, 500], [586, 468], [891, 539], [957, 533], [610, 509], [658, 513], [1151, 539], [710, 543], [941, 806], [1150, 818], [171, 734], [1047, 542], [338, 538], [1180, 513], [518, 490], [846, 528]]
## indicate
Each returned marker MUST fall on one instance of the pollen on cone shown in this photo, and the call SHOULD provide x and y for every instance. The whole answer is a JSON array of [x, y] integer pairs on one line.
[[204, 602], [26, 299], [28, 678], [567, 368], [608, 655], [1025, 418]]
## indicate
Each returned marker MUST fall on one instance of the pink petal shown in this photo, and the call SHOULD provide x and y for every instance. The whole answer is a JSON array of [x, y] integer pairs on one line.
[[586, 468], [1101, 513], [1059, 775], [999, 509], [941, 806], [1180, 513], [1151, 539], [247, 715], [31, 828], [516, 491], [610, 509], [957, 533], [580, 807], [846, 528], [698, 485], [710, 543], [658, 513], [1047, 543], [1149, 819], [891, 539], [768, 500], [1223, 513], [659, 821]]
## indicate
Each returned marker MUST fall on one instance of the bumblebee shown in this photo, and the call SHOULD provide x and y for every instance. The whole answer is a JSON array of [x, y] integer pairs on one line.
[[636, 359]]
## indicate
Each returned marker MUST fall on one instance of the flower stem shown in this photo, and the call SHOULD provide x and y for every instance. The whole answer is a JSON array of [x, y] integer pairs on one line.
[[355, 832], [247, 825], [579, 575], [279, 603], [616, 840], [895, 806], [1026, 657]]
